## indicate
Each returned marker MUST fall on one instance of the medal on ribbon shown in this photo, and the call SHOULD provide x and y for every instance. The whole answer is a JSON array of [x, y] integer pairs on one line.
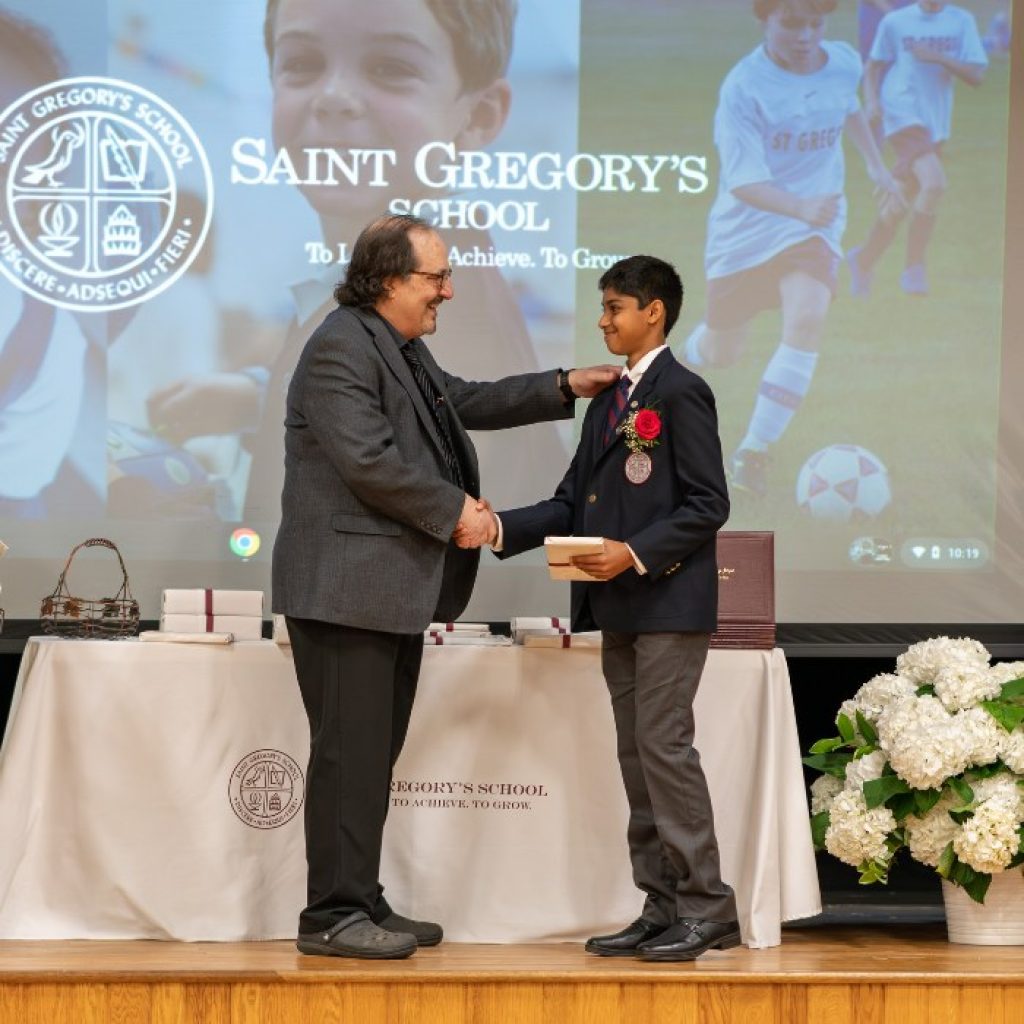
[[641, 431], [638, 467]]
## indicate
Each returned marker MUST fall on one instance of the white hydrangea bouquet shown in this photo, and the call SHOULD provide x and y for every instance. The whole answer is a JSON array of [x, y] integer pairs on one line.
[[931, 758]]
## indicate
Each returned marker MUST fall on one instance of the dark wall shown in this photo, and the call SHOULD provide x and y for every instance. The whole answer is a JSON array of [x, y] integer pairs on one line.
[[8, 674]]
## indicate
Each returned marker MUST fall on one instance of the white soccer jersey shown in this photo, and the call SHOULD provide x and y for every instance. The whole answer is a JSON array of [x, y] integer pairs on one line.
[[777, 127], [913, 92]]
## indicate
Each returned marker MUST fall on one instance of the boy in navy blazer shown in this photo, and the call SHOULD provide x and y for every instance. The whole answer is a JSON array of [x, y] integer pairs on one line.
[[648, 477]]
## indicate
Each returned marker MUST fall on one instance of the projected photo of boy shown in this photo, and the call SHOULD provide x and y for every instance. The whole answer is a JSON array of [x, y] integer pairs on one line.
[[385, 75], [774, 235]]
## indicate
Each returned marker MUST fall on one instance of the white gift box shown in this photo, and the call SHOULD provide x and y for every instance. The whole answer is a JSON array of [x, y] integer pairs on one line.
[[457, 639], [560, 552], [239, 612], [213, 602], [241, 627], [563, 640], [544, 623], [162, 636], [538, 625]]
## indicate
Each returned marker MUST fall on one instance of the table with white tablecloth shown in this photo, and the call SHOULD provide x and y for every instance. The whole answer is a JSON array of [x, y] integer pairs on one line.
[[154, 790]]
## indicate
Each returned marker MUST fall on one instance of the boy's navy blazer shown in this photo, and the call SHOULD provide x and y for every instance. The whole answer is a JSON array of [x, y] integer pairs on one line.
[[670, 521]]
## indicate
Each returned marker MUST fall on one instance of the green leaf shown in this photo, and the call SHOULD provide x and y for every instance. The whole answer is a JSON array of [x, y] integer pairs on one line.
[[960, 816], [961, 790], [819, 824], [860, 752], [962, 874], [1014, 688], [925, 691], [974, 883], [901, 805], [827, 746], [978, 886], [925, 800], [877, 791], [946, 861], [1009, 716], [845, 727], [874, 871], [895, 840], [831, 764], [867, 730]]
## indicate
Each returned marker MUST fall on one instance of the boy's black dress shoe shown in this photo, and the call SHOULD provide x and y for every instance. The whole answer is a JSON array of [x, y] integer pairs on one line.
[[688, 938], [357, 936], [624, 943]]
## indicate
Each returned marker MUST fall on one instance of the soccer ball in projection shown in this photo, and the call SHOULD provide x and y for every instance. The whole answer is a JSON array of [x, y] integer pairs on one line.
[[843, 482]]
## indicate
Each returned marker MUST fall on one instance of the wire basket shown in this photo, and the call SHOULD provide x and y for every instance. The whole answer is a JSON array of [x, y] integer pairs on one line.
[[83, 618]]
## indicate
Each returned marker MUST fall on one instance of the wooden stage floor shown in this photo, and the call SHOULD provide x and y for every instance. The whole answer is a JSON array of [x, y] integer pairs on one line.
[[902, 974]]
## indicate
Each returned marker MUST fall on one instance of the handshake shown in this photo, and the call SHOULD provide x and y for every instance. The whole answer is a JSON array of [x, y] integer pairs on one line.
[[477, 525]]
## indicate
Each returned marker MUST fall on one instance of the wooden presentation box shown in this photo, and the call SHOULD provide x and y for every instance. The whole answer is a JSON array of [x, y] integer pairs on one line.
[[746, 590]]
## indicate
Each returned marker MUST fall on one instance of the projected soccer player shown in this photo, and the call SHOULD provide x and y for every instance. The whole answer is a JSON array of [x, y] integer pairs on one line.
[[776, 226], [918, 53], [380, 75], [42, 349], [869, 16]]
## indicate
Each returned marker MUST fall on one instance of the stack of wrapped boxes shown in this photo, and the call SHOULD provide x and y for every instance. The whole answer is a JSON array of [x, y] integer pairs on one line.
[[238, 612]]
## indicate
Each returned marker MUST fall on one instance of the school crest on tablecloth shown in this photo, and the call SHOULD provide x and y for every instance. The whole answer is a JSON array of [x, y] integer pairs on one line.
[[266, 789]]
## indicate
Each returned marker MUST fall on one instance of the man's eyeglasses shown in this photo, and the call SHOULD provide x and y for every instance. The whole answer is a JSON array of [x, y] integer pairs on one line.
[[439, 277]]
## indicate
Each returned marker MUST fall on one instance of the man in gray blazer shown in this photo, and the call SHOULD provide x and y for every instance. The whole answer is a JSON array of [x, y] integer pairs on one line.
[[379, 473]]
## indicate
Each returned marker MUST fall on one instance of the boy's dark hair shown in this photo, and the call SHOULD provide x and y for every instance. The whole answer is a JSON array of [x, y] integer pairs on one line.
[[647, 278], [763, 8], [480, 32], [33, 46], [382, 251]]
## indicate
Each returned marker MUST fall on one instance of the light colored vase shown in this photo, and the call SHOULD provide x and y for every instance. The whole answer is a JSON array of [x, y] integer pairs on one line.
[[999, 921]]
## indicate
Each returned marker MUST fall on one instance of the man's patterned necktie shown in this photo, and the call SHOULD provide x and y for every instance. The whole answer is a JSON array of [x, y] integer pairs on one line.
[[435, 403]]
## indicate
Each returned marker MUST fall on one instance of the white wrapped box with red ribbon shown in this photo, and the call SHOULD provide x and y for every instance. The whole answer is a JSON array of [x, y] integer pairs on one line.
[[239, 612]]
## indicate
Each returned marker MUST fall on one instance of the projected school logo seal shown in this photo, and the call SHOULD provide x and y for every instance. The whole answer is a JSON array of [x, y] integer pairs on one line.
[[91, 171], [266, 789]]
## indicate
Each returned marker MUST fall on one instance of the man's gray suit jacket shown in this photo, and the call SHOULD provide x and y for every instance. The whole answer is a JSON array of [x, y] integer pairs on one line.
[[367, 513]]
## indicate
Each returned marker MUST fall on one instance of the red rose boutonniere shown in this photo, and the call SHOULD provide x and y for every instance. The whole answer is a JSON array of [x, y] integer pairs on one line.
[[647, 424], [641, 430]]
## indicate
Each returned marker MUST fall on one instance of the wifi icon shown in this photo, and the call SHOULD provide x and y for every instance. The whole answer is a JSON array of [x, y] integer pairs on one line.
[[918, 550]]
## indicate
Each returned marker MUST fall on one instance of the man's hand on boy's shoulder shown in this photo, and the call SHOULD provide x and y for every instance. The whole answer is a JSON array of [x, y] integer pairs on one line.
[[614, 559], [592, 380]]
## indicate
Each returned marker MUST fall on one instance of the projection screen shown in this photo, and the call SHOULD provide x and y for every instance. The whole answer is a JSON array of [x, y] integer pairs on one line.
[[182, 183]]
